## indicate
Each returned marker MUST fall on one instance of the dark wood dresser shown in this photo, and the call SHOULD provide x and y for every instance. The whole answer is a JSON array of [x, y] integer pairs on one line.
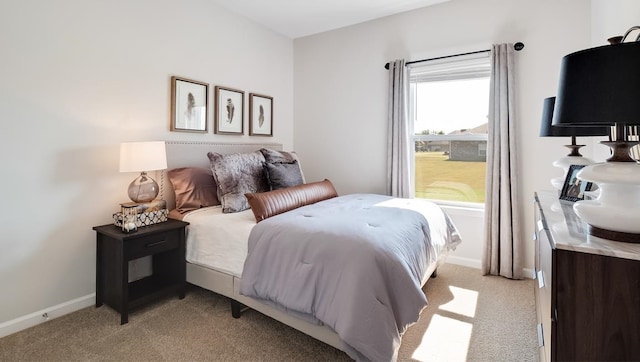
[[587, 291]]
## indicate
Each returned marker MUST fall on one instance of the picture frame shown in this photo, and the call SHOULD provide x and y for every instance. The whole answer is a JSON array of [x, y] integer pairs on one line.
[[229, 111], [189, 105], [573, 188], [260, 115]]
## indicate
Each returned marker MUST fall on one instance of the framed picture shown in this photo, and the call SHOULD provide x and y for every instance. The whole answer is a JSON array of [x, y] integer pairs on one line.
[[189, 105], [574, 188], [260, 115], [229, 111]]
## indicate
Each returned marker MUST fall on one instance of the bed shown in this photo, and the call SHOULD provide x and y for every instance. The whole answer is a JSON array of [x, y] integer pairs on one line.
[[220, 243]]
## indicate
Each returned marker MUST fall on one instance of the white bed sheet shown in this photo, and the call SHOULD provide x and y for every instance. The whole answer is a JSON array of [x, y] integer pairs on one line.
[[218, 241]]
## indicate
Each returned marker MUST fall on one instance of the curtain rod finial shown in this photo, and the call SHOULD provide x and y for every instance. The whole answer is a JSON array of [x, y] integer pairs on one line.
[[518, 46], [386, 66]]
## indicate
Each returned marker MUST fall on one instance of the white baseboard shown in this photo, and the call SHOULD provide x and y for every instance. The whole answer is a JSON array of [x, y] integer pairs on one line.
[[44, 315], [468, 262], [528, 273], [473, 263]]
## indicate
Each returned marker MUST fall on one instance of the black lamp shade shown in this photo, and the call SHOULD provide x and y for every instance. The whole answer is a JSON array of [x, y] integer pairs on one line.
[[600, 86], [547, 129]]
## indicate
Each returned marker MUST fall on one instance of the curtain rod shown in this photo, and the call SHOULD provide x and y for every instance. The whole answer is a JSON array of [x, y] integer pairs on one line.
[[517, 46]]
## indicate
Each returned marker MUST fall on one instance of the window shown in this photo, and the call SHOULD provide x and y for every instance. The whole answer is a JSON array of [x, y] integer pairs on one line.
[[482, 150], [449, 103]]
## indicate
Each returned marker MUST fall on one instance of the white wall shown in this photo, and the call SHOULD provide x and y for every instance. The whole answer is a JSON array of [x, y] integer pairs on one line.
[[341, 90], [610, 18], [613, 17], [77, 77]]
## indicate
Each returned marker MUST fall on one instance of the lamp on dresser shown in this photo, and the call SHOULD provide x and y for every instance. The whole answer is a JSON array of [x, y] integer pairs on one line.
[[547, 129], [601, 86], [142, 157]]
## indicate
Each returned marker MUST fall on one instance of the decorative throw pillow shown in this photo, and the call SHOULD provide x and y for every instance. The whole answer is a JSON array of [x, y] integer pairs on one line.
[[267, 204], [275, 156], [237, 174], [281, 175], [194, 188]]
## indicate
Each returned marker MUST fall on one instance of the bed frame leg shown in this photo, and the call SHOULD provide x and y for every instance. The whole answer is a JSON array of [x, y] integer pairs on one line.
[[236, 308], [435, 273]]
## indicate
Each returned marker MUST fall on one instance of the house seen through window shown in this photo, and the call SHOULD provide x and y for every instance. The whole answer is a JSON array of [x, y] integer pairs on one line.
[[449, 103]]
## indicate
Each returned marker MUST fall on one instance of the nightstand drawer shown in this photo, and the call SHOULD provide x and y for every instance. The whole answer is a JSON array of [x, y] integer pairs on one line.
[[152, 244]]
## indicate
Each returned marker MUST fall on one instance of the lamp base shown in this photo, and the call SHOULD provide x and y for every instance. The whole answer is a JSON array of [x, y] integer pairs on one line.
[[614, 214], [565, 163], [614, 235], [143, 189]]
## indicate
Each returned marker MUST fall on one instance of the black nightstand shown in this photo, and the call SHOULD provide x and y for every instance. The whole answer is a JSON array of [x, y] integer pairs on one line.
[[164, 241]]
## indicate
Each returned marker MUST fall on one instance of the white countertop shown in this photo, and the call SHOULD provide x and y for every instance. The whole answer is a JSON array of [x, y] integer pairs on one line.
[[568, 232]]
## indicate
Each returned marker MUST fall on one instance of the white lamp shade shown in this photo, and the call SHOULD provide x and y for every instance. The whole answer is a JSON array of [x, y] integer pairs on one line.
[[142, 156]]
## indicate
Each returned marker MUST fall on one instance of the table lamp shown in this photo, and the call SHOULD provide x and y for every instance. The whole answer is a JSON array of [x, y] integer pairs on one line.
[[142, 157], [547, 129], [601, 86]]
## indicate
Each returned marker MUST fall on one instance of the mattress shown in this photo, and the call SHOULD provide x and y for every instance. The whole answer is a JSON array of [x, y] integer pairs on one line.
[[218, 241]]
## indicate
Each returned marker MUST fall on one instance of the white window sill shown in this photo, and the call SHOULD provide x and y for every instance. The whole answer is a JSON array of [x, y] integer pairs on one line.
[[461, 208]]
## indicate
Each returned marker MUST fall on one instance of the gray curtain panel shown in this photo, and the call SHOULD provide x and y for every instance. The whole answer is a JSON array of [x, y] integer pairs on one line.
[[503, 247], [399, 134]]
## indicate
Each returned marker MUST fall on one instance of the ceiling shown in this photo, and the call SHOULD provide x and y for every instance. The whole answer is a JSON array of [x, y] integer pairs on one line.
[[298, 18]]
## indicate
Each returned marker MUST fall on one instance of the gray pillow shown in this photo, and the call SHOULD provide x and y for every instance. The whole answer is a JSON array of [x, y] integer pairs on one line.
[[237, 174], [282, 175], [275, 156]]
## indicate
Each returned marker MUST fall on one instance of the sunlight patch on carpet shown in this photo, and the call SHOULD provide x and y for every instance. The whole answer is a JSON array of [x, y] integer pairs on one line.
[[464, 302], [446, 339]]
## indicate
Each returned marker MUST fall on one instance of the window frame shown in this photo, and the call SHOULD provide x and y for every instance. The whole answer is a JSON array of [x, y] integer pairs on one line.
[[474, 65]]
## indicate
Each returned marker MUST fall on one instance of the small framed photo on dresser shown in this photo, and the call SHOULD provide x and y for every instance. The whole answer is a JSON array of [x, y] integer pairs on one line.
[[574, 189]]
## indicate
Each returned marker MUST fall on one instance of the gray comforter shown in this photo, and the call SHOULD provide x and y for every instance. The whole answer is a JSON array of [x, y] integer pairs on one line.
[[356, 263]]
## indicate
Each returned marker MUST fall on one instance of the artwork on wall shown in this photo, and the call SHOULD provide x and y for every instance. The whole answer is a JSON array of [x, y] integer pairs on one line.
[[574, 189], [260, 115], [229, 111], [189, 103]]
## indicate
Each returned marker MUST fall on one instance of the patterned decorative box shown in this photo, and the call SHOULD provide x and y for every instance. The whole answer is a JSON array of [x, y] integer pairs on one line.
[[149, 213], [154, 205]]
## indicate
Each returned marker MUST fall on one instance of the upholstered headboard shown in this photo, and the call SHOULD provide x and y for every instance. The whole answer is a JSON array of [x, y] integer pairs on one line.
[[194, 154]]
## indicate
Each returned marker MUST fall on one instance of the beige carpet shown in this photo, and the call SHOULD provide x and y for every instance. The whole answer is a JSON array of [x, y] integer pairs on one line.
[[469, 317]]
